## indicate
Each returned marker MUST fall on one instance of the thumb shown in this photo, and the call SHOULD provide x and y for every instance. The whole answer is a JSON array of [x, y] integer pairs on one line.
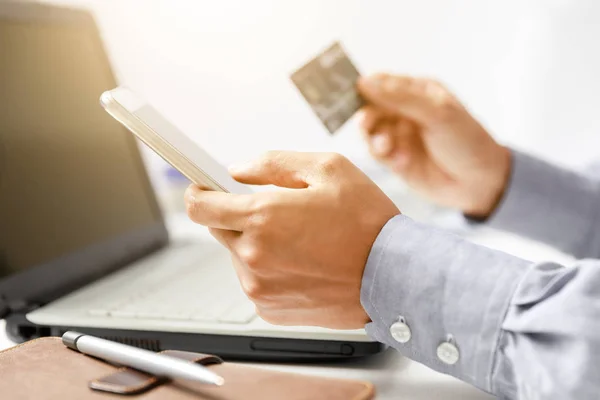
[[399, 95], [287, 169]]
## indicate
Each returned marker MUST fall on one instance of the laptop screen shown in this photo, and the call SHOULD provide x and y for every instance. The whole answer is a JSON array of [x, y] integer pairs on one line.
[[70, 176]]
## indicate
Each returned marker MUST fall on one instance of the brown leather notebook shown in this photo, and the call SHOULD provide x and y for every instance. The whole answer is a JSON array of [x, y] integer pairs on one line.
[[46, 369]]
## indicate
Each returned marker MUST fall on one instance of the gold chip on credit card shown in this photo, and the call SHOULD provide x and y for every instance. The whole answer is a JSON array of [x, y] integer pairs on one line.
[[328, 83]]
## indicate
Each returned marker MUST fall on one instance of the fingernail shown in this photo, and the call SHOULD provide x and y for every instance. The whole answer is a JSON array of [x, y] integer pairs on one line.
[[380, 143]]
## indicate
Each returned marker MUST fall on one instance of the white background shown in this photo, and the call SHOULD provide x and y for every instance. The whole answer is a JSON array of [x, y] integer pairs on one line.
[[219, 69], [528, 69]]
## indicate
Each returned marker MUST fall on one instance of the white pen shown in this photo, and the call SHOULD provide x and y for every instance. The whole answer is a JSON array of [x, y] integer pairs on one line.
[[140, 359]]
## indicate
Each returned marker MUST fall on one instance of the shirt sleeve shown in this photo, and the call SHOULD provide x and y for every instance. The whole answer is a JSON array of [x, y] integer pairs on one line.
[[553, 205], [508, 326]]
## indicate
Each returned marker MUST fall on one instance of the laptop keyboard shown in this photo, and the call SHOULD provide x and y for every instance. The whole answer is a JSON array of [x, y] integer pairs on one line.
[[177, 286]]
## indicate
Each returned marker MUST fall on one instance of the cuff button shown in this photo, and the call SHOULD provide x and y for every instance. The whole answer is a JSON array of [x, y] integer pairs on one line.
[[400, 331], [448, 353]]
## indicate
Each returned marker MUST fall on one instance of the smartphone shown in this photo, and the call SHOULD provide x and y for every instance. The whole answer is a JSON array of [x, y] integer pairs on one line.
[[168, 141]]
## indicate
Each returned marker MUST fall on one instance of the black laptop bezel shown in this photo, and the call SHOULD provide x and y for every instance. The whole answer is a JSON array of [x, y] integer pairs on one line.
[[41, 284]]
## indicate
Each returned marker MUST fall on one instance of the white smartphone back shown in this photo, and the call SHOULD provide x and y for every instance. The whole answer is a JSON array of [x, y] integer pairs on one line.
[[169, 142]]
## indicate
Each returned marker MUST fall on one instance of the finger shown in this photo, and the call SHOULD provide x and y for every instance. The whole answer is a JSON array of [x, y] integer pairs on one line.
[[406, 144], [217, 209], [407, 96], [287, 169], [410, 159], [376, 127], [243, 274], [381, 142], [371, 118], [227, 238]]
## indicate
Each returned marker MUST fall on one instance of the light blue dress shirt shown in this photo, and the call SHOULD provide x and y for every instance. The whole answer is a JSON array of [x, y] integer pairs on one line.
[[517, 329]]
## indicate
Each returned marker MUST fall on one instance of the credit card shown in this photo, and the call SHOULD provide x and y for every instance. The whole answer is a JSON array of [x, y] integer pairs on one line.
[[328, 83]]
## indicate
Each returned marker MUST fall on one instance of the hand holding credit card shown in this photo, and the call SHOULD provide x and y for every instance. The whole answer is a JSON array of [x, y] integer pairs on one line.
[[328, 83]]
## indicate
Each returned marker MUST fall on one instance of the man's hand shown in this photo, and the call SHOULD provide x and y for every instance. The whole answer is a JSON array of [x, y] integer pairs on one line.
[[299, 254], [424, 134]]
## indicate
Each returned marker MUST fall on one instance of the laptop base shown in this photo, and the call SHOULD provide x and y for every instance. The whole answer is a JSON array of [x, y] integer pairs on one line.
[[246, 348]]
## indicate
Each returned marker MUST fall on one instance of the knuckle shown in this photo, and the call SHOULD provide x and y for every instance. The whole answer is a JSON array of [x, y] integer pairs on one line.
[[261, 214], [332, 163], [442, 98], [260, 205], [252, 256], [447, 109], [270, 158], [259, 229], [254, 289]]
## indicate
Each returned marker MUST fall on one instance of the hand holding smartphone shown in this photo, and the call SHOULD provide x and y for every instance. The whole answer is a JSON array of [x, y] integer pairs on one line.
[[167, 141]]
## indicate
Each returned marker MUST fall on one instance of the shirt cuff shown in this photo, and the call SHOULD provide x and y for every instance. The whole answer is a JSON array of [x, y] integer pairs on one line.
[[441, 287], [550, 204]]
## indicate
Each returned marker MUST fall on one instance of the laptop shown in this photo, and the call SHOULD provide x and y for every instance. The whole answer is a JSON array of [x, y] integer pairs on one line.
[[83, 244]]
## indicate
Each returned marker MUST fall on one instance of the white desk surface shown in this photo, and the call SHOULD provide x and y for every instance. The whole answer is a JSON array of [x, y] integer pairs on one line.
[[394, 376]]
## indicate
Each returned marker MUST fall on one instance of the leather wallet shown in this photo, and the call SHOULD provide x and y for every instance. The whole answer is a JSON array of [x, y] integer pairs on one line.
[[46, 369]]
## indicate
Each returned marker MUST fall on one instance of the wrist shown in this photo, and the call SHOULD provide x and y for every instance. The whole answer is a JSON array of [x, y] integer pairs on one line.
[[490, 188]]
